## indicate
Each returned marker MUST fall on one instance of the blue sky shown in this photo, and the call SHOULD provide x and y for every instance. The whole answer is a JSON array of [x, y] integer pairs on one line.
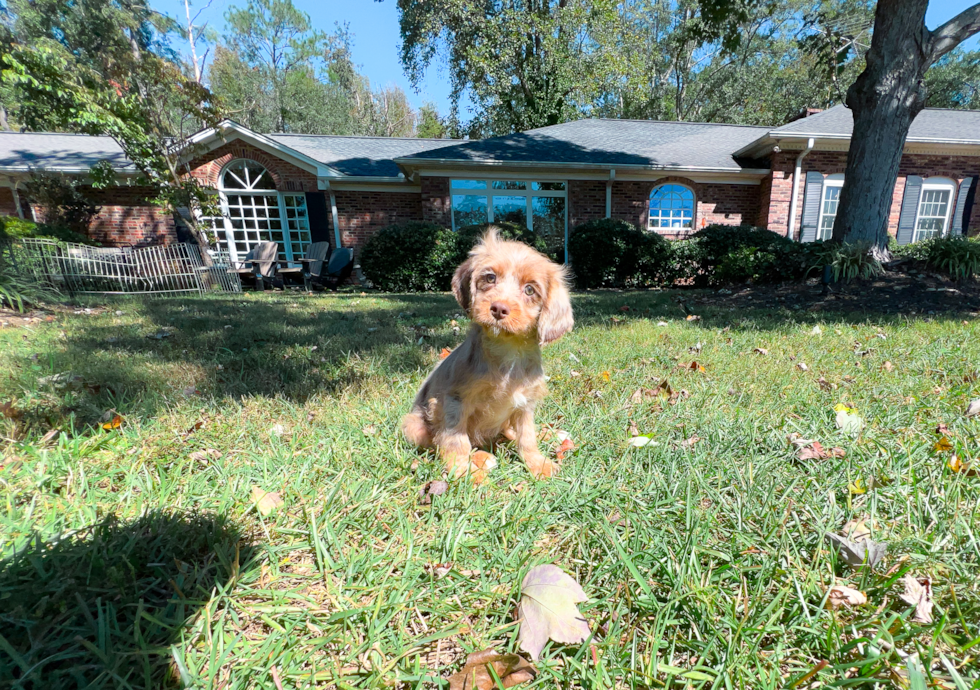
[[374, 26]]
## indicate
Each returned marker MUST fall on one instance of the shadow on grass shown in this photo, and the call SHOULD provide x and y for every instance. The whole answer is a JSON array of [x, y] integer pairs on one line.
[[101, 607]]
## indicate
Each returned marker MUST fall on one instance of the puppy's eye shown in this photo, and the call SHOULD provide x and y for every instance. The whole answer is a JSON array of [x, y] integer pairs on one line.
[[490, 278], [528, 289]]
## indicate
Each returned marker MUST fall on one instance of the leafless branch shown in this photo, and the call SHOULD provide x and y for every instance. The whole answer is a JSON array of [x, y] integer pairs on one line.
[[954, 32]]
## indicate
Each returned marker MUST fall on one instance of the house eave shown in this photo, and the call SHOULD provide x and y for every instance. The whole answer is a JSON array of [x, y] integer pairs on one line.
[[410, 164]]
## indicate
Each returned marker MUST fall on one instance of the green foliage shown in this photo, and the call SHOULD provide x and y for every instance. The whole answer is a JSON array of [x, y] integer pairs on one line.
[[414, 257], [847, 261], [64, 203], [18, 287], [12, 228], [957, 257], [430, 125], [953, 81], [614, 253], [723, 254], [468, 235]]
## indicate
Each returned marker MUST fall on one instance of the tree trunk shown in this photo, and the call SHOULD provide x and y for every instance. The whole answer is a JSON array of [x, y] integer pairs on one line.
[[884, 100]]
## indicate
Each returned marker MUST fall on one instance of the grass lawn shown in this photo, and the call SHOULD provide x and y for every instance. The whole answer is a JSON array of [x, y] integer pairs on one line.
[[136, 557]]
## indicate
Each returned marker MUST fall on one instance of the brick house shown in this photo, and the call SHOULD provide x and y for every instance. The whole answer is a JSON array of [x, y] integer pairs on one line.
[[668, 177]]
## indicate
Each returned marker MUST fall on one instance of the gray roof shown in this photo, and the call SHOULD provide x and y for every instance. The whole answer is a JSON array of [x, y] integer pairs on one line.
[[359, 156], [610, 143], [58, 152], [929, 125]]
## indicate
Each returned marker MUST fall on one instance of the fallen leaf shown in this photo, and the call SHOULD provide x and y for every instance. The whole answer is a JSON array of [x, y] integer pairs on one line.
[[816, 451], [548, 610], [511, 669], [802, 367], [857, 487], [481, 463], [641, 441], [204, 455], [942, 429], [825, 385], [860, 552], [9, 411], [633, 428], [624, 308], [848, 420], [605, 376], [265, 501], [114, 423], [436, 488], [662, 323], [566, 446], [816, 330], [562, 435], [973, 409], [369, 430], [761, 351], [918, 593], [278, 430], [445, 353], [49, 437], [195, 427], [693, 317], [840, 595], [856, 530], [415, 465], [965, 468], [641, 394], [942, 445], [888, 366], [688, 442], [664, 390]]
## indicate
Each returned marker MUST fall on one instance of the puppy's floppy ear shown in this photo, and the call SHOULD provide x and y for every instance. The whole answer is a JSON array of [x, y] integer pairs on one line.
[[556, 314], [461, 284]]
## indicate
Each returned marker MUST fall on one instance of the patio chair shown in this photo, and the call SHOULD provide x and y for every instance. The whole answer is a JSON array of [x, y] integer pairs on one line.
[[312, 265], [339, 268], [261, 263]]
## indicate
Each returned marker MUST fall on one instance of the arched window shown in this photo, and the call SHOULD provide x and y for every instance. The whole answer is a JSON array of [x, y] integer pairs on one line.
[[671, 206], [254, 211], [935, 208]]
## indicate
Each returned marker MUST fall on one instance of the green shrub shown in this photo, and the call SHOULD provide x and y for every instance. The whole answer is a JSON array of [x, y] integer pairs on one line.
[[724, 254], [414, 257], [847, 261], [613, 253], [65, 204], [468, 235], [13, 228], [957, 257]]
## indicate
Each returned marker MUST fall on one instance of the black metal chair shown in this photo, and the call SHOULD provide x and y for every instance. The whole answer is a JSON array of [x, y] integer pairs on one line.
[[339, 268]]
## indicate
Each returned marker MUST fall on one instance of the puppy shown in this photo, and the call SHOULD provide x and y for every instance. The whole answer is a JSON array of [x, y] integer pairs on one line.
[[488, 387]]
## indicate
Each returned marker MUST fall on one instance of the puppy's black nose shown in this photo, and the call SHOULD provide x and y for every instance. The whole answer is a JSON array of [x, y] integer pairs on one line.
[[499, 310]]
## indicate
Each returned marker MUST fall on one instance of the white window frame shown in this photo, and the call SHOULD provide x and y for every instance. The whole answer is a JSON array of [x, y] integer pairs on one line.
[[490, 193], [668, 228], [286, 246], [933, 184], [835, 181]]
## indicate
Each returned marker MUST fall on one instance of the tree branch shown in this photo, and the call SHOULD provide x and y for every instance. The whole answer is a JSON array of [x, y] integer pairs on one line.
[[954, 32]]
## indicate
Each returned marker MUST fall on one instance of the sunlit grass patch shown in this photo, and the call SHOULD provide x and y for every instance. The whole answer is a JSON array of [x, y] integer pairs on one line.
[[703, 552]]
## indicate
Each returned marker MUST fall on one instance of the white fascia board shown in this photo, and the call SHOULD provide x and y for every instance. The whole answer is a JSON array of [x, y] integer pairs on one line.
[[748, 177], [228, 131], [562, 171]]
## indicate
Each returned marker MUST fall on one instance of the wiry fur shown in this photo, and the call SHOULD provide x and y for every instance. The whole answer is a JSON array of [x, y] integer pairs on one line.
[[489, 386]]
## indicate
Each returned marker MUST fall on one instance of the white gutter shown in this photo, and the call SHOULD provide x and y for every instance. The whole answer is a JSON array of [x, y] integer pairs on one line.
[[609, 183], [793, 205], [20, 210], [469, 164], [333, 212]]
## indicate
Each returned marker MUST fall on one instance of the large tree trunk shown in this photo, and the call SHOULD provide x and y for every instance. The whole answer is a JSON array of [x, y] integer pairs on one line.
[[884, 100]]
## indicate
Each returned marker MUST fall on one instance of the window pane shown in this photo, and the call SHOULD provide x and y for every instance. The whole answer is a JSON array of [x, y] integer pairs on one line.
[[548, 186], [933, 209], [828, 212], [469, 184], [502, 184], [510, 209], [548, 221], [469, 210], [671, 206]]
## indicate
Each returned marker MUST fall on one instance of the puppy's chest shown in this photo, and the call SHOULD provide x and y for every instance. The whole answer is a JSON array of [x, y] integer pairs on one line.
[[514, 389]]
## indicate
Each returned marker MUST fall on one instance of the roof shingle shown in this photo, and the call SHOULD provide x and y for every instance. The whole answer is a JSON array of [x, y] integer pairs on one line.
[[610, 143], [359, 156], [59, 152], [930, 124]]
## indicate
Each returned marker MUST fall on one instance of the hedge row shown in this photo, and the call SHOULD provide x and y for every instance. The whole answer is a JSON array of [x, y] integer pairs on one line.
[[615, 253]]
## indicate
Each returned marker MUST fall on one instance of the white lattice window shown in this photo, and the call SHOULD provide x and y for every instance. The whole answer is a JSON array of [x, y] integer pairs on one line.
[[254, 211], [671, 206], [829, 202], [935, 206]]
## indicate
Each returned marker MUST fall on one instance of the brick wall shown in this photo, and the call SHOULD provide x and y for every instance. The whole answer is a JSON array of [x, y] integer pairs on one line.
[[361, 214], [831, 162], [435, 201], [288, 177], [127, 217], [586, 201]]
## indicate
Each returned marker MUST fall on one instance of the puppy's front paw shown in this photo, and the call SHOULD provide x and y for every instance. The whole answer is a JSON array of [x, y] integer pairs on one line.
[[477, 467], [540, 467]]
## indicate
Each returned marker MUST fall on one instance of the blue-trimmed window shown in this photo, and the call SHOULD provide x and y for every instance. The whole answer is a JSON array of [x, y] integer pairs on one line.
[[671, 207]]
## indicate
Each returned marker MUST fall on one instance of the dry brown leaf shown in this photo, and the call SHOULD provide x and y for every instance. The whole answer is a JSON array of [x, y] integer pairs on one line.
[[634, 429], [624, 308], [816, 451], [761, 351], [481, 462], [888, 366], [943, 445], [857, 529], [369, 430], [605, 376], [693, 317], [445, 353], [693, 366], [9, 411], [430, 489], [204, 455], [688, 442], [265, 501], [802, 367], [839, 596], [49, 437], [968, 469], [918, 593], [114, 423], [566, 446], [511, 669], [548, 610], [942, 429]]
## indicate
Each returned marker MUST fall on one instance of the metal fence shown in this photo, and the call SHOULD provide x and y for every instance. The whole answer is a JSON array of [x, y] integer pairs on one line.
[[79, 269]]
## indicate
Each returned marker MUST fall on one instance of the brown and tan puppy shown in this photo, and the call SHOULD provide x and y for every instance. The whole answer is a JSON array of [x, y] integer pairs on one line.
[[488, 387]]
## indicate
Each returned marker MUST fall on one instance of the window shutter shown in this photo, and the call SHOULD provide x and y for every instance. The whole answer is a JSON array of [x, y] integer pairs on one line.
[[964, 204], [812, 199], [316, 207], [910, 209]]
